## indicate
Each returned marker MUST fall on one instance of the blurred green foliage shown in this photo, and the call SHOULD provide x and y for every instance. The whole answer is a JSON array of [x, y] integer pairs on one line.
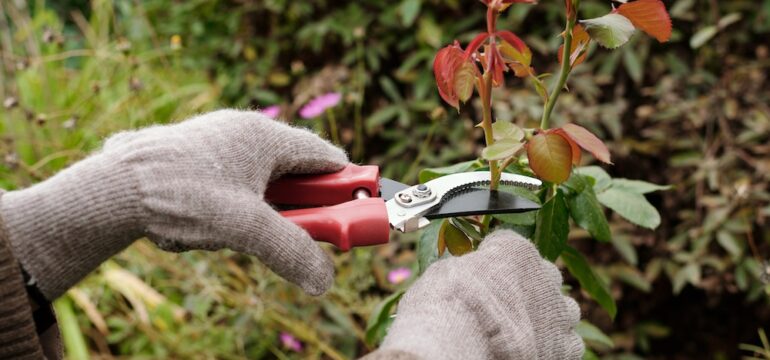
[[692, 113]]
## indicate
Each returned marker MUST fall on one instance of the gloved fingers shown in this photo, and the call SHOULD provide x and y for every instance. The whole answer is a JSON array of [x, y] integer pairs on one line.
[[573, 310], [517, 251], [574, 346], [119, 139], [281, 245], [305, 153], [266, 149]]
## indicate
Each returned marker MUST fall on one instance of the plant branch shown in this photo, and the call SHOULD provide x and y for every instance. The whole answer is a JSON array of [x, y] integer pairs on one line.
[[563, 74], [486, 124], [486, 105]]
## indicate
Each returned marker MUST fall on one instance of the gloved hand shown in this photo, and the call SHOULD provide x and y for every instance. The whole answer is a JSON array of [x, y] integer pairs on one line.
[[194, 185], [500, 302]]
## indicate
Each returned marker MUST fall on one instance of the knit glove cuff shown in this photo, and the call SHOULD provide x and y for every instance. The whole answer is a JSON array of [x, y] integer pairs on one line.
[[95, 199]]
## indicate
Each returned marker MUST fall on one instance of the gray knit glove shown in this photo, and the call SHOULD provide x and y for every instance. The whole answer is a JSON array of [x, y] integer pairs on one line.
[[195, 185], [500, 302]]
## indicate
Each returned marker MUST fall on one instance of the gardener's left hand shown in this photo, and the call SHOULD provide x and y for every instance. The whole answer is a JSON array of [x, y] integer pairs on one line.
[[195, 185]]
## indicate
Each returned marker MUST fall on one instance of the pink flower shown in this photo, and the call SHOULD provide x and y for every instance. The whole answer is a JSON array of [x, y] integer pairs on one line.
[[318, 105], [272, 111], [290, 342], [397, 276]]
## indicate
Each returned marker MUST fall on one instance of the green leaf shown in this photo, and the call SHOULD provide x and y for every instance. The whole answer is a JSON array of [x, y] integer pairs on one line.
[[585, 209], [625, 249], [409, 9], [633, 207], [390, 89], [633, 64], [637, 186], [688, 274], [507, 130], [502, 149], [633, 277], [540, 88], [381, 116], [71, 334], [456, 241], [593, 335], [427, 249], [552, 227], [602, 180], [611, 30], [579, 268], [467, 228], [526, 218], [728, 242], [590, 355], [433, 173], [380, 319], [703, 36]]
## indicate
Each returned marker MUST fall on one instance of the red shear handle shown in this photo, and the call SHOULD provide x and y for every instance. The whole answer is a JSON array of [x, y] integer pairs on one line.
[[355, 223], [324, 189]]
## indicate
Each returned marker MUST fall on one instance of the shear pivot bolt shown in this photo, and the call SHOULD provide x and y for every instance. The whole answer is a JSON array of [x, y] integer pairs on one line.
[[421, 191], [405, 198]]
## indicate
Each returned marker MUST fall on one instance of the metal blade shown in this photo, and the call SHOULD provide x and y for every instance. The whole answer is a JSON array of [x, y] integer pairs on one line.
[[408, 209], [481, 201], [389, 188]]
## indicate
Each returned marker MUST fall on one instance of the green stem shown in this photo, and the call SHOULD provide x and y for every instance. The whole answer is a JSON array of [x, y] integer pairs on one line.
[[486, 125], [485, 90], [333, 126], [563, 74]]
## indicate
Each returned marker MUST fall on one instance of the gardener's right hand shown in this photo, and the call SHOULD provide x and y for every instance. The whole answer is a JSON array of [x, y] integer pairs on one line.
[[501, 302], [198, 184]]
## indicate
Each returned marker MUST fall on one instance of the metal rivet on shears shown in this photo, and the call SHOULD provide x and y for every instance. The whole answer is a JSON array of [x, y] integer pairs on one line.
[[405, 198], [421, 191]]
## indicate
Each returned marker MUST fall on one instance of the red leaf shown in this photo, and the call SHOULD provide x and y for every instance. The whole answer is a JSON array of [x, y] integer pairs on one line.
[[649, 16], [515, 53], [580, 40], [576, 152], [475, 44], [514, 40], [445, 66], [588, 141], [570, 8], [550, 157], [497, 65]]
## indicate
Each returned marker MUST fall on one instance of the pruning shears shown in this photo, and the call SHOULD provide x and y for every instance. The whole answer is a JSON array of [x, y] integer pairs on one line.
[[356, 207]]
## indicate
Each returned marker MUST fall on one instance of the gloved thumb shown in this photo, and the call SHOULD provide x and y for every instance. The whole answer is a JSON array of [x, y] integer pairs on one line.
[[306, 153]]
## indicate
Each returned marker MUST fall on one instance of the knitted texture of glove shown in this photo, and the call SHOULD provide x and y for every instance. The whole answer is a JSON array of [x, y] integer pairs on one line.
[[198, 184], [500, 302]]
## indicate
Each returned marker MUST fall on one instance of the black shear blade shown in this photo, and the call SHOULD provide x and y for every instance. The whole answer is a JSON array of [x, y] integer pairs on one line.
[[389, 188], [480, 201]]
